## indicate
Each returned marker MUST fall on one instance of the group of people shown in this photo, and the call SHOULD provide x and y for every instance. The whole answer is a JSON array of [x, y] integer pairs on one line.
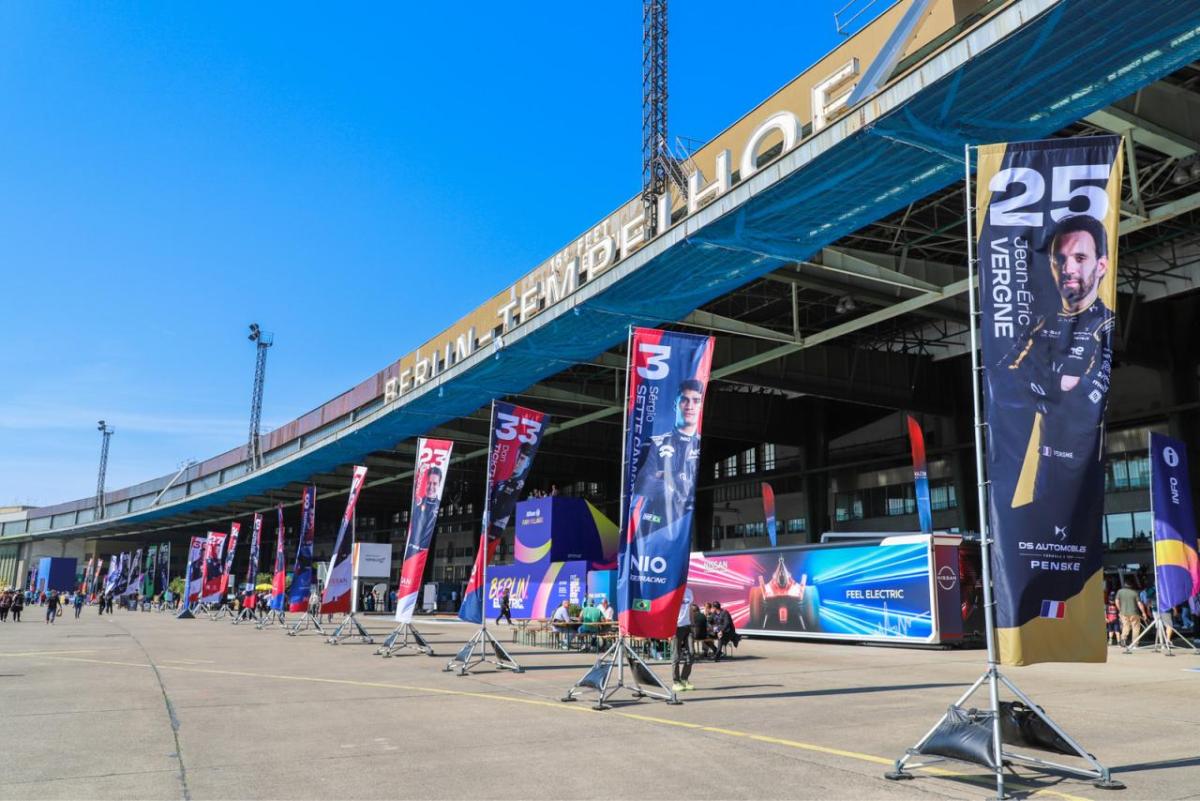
[[591, 620], [13, 602], [710, 629], [1128, 610]]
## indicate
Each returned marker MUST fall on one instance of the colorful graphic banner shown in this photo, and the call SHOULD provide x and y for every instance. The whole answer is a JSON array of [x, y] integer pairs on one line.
[[133, 576], [668, 376], [516, 434], [891, 592], [150, 574], [433, 458], [212, 569], [302, 569], [87, 575], [194, 579], [279, 574], [1047, 228], [231, 548], [1176, 565], [916, 440], [255, 547], [94, 585], [163, 569], [337, 594], [535, 591], [768, 498]]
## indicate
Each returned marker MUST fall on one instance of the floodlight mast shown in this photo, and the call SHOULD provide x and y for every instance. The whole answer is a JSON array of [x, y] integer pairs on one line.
[[262, 340], [105, 433], [655, 153]]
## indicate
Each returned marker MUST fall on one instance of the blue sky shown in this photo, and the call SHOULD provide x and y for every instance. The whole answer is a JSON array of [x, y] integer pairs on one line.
[[171, 172]]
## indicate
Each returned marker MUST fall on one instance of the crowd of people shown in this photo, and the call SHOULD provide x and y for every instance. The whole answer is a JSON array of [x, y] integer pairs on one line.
[[1134, 606]]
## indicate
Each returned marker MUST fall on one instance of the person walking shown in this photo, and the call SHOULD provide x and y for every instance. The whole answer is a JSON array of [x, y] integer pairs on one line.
[[505, 609], [78, 604], [51, 607], [1130, 610], [5, 605], [681, 658], [18, 603]]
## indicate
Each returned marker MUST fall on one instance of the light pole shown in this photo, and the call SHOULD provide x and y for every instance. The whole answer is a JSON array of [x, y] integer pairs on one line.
[[262, 340], [105, 433]]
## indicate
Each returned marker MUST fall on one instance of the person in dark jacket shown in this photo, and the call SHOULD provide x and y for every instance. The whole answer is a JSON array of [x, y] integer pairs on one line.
[[724, 631], [18, 603]]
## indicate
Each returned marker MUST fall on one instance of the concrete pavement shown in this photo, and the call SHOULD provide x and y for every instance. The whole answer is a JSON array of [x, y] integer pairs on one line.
[[139, 705]]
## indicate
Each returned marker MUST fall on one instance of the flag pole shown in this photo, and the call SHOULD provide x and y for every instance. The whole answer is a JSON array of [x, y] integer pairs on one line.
[[992, 676], [466, 658], [600, 676]]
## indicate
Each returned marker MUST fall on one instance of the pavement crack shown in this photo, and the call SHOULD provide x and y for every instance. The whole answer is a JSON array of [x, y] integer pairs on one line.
[[170, 707]]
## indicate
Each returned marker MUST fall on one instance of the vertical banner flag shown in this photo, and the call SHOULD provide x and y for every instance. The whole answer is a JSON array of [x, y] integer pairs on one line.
[[302, 569], [336, 595], [93, 586], [1047, 250], [768, 493], [133, 578], [1176, 565], [916, 440], [164, 567], [668, 376], [516, 435], [150, 574], [87, 575], [194, 580], [234, 530], [279, 574], [212, 569], [433, 457], [255, 545], [121, 581]]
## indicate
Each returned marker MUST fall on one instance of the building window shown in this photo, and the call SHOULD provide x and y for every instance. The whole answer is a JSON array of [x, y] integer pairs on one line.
[[749, 461], [942, 496], [847, 506], [730, 466], [796, 525], [768, 456], [716, 470]]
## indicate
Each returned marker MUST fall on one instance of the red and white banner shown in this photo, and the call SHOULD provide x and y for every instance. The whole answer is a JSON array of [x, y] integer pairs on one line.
[[336, 596], [234, 530], [433, 457], [87, 575], [211, 569], [195, 570]]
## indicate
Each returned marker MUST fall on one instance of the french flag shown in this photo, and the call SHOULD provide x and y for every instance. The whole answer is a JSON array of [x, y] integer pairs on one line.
[[1054, 609]]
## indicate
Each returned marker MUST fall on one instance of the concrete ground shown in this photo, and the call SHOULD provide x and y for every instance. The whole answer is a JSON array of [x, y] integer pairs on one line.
[[139, 705]]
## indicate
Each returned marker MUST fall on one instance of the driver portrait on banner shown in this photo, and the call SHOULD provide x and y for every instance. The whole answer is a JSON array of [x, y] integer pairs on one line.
[[667, 463], [1063, 360], [425, 513], [507, 492]]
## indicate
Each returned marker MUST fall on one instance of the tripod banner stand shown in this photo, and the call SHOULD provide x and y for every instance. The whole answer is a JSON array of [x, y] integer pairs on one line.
[[1047, 233], [191, 579], [660, 455], [433, 459], [516, 433], [338, 594], [299, 593], [1176, 564]]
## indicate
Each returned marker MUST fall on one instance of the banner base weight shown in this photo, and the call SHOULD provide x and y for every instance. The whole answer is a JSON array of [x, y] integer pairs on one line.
[[404, 636], [601, 679], [475, 653], [350, 627]]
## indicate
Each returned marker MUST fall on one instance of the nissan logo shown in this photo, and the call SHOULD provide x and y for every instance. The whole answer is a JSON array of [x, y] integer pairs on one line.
[[946, 577]]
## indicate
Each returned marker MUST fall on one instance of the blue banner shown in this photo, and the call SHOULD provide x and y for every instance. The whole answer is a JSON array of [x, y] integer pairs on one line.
[[302, 570], [1047, 227], [668, 377], [1176, 565], [916, 439]]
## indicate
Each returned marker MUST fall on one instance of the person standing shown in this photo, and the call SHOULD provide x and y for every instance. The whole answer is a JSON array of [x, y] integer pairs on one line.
[[5, 605], [18, 603], [78, 604], [1129, 609], [505, 609], [681, 659]]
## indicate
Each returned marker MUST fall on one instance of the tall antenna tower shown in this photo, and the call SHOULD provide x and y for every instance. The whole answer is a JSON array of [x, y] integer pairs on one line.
[[105, 434], [262, 340], [655, 153]]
